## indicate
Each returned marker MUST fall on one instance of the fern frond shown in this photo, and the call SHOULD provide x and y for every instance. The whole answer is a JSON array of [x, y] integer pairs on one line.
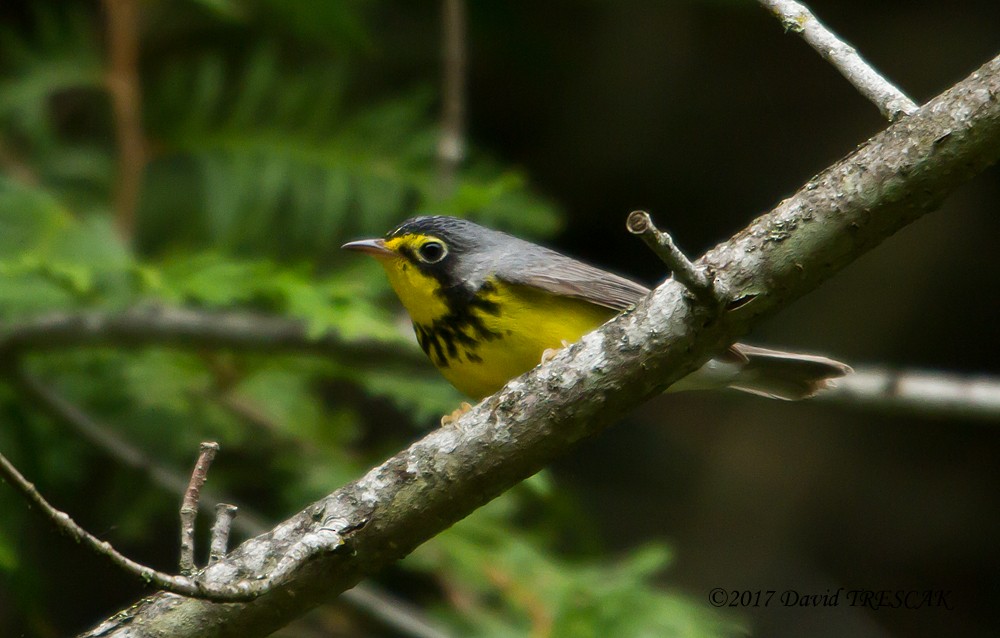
[[272, 162]]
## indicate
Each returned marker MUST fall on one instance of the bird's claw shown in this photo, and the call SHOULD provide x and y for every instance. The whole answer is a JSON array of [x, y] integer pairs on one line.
[[550, 353], [456, 414]]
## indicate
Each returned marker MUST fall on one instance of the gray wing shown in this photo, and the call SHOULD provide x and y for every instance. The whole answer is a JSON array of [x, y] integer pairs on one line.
[[561, 275]]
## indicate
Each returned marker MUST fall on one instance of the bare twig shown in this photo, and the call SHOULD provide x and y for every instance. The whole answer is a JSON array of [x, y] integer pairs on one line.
[[451, 145], [224, 513], [796, 17], [927, 393], [189, 505], [183, 585], [697, 280], [126, 100]]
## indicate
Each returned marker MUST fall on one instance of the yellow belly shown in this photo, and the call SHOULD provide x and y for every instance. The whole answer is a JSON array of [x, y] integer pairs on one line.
[[528, 322]]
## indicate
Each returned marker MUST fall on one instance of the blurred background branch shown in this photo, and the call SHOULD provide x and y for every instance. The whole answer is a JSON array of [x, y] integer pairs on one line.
[[126, 100], [930, 394], [451, 146], [191, 329]]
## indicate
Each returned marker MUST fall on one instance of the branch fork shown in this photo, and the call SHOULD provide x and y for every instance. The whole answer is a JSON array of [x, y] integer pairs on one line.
[[188, 583]]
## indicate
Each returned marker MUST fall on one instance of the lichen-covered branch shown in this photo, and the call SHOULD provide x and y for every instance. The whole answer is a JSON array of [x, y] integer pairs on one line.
[[797, 17], [897, 176]]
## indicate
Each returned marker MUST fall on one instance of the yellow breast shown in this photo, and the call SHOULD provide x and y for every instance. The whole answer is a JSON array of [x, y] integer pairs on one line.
[[499, 335], [529, 322]]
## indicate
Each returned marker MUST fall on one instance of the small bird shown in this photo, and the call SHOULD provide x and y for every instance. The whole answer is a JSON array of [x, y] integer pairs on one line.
[[487, 306]]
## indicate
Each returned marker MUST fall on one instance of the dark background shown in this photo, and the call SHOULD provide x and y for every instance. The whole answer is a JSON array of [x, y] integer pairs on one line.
[[706, 114]]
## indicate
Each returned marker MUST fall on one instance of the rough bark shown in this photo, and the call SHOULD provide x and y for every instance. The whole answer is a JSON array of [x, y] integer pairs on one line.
[[897, 176]]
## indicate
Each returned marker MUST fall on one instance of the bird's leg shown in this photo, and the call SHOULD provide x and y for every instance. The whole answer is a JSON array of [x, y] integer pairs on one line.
[[550, 353], [456, 414]]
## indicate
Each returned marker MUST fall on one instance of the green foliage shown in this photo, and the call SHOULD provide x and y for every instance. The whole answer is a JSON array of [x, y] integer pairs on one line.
[[544, 593], [276, 158], [262, 161]]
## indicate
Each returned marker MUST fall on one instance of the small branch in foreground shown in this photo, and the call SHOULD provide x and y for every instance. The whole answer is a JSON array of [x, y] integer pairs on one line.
[[797, 17], [920, 392], [695, 279], [189, 505], [224, 514], [240, 592]]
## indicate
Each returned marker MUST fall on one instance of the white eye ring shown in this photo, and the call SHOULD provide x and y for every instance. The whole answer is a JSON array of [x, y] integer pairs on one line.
[[432, 251]]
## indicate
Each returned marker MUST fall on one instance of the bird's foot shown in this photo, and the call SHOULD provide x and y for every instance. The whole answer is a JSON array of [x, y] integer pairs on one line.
[[550, 353], [456, 414]]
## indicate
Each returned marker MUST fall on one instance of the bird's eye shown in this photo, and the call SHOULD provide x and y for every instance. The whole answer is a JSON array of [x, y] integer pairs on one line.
[[432, 252]]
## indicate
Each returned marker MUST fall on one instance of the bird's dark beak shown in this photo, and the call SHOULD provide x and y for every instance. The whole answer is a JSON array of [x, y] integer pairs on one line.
[[375, 247]]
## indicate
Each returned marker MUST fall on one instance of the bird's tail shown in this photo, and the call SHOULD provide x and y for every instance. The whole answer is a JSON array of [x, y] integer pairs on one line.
[[768, 373]]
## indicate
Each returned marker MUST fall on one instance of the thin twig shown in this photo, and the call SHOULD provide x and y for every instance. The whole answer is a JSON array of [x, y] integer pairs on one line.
[[240, 592], [927, 393], [697, 281], [189, 505], [126, 100], [798, 18], [451, 145], [224, 513]]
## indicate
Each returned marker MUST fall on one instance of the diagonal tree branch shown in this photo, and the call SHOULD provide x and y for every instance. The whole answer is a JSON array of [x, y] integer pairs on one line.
[[893, 179]]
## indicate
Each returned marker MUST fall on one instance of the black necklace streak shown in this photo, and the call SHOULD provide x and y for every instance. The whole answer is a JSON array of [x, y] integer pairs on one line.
[[462, 328]]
